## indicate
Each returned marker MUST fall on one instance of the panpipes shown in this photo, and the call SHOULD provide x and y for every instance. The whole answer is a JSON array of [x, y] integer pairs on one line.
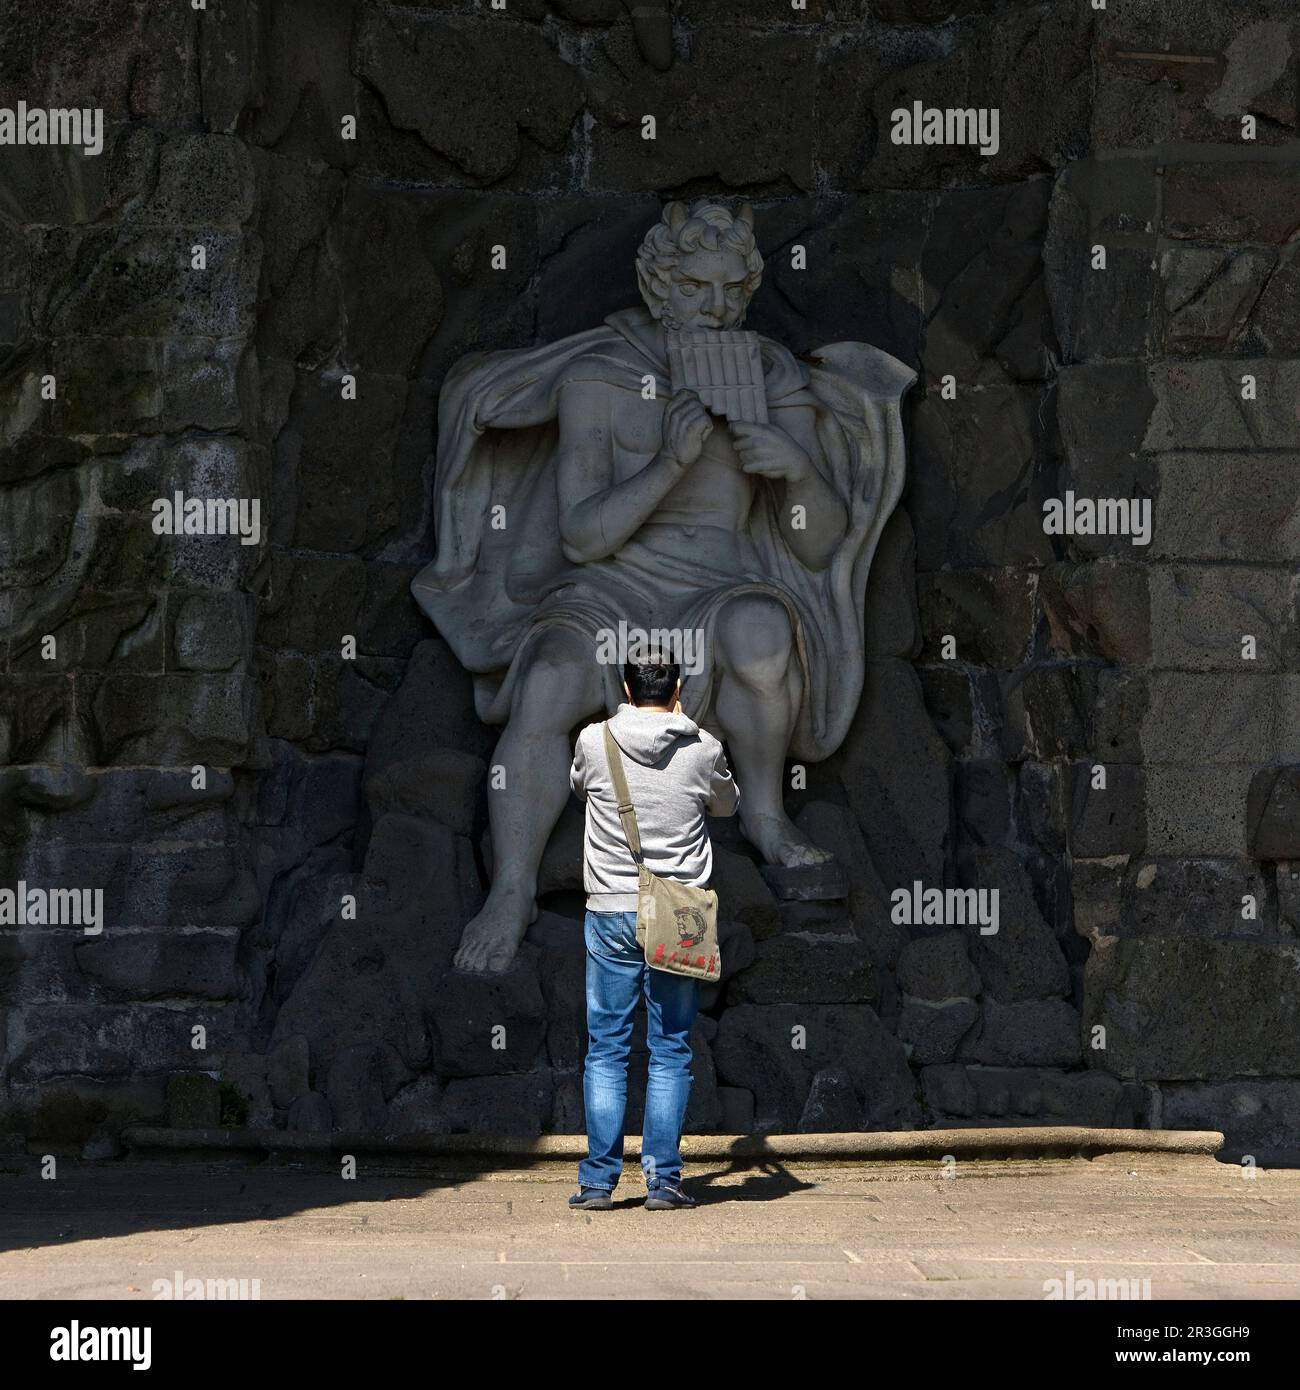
[[725, 369]]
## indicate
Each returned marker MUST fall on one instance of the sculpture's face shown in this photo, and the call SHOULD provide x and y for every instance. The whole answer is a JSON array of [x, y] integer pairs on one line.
[[707, 290]]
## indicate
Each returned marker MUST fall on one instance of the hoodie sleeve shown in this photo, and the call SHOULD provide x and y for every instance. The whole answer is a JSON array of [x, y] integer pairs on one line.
[[724, 794], [578, 772]]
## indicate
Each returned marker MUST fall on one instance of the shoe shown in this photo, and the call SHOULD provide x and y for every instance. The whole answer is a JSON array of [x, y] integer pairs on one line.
[[665, 1197], [591, 1199]]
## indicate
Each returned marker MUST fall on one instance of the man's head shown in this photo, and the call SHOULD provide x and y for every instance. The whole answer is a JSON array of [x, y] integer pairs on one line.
[[699, 269], [652, 681]]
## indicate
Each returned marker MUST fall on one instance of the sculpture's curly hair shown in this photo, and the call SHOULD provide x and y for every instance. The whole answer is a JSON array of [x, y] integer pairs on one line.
[[706, 226]]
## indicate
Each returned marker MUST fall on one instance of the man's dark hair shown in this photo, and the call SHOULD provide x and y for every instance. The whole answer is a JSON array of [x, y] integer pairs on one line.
[[652, 681]]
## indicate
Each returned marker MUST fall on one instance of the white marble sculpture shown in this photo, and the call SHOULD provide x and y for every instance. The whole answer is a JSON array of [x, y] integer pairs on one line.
[[575, 488]]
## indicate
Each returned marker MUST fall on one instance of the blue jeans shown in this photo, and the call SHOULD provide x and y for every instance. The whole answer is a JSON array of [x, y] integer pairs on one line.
[[617, 976]]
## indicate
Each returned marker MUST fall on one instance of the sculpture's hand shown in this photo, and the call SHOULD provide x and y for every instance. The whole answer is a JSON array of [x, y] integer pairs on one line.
[[767, 450], [686, 427]]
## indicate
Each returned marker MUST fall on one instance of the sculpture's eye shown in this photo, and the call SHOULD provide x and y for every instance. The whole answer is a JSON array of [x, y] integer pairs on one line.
[[733, 291], [688, 287]]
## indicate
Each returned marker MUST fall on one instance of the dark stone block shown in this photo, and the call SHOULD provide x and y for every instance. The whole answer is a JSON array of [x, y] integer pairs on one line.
[[964, 1095], [1097, 888], [209, 632], [1040, 805], [983, 256], [140, 283], [979, 469], [932, 1032], [1288, 897], [1193, 1010], [1185, 898], [1098, 611], [1042, 1033], [157, 966], [949, 703], [724, 140], [202, 180], [361, 1082], [510, 1105], [193, 1102], [775, 1051], [444, 785], [310, 1114], [1209, 297], [1257, 1117], [983, 801], [95, 632], [806, 882], [800, 968], [1022, 959], [514, 115], [1273, 813], [421, 889], [1033, 65], [487, 1024], [417, 1108], [350, 697], [896, 777], [989, 613], [335, 487], [1111, 819], [37, 719], [937, 968], [287, 1068], [1228, 203], [1103, 312], [892, 619], [743, 896], [432, 709], [880, 237], [200, 718], [1118, 710], [832, 1104], [1048, 712]]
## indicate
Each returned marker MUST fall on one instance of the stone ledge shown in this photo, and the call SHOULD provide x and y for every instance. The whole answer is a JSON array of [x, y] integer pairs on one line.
[[996, 1142]]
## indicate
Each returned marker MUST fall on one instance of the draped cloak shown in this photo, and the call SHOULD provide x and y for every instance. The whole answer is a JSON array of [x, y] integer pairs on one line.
[[494, 590]]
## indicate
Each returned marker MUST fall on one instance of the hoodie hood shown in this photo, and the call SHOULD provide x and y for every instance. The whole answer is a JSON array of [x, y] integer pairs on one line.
[[646, 735]]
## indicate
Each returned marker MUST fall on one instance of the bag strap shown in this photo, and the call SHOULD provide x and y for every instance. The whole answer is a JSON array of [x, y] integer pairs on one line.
[[626, 811]]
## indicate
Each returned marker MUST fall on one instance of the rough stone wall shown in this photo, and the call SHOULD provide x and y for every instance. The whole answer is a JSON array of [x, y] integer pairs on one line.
[[333, 777]]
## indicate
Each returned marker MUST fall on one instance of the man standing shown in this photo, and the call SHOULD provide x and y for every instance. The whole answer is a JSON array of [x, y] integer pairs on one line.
[[676, 772]]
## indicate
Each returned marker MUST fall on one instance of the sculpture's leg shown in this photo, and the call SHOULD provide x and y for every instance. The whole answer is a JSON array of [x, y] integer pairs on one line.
[[757, 703], [560, 686]]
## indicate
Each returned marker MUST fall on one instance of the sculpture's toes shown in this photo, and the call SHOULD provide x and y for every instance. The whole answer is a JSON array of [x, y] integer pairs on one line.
[[469, 957], [800, 852], [475, 946]]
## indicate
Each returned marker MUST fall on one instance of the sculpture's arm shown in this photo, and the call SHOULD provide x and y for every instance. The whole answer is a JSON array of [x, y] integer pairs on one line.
[[595, 517], [787, 451]]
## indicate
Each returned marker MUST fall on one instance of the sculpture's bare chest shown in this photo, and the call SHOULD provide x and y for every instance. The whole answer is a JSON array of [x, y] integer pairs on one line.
[[713, 491]]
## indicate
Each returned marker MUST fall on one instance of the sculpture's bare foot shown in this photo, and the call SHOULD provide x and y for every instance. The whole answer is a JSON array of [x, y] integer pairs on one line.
[[491, 938], [779, 842]]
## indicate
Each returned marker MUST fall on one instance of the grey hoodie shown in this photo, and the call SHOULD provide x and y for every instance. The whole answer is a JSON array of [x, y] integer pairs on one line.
[[675, 772]]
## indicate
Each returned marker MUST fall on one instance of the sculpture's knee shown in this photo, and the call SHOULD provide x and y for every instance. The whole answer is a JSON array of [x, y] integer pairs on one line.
[[560, 682], [755, 640]]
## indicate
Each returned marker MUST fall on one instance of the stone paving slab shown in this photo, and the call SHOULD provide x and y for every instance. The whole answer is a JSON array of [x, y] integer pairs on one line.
[[997, 1229]]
